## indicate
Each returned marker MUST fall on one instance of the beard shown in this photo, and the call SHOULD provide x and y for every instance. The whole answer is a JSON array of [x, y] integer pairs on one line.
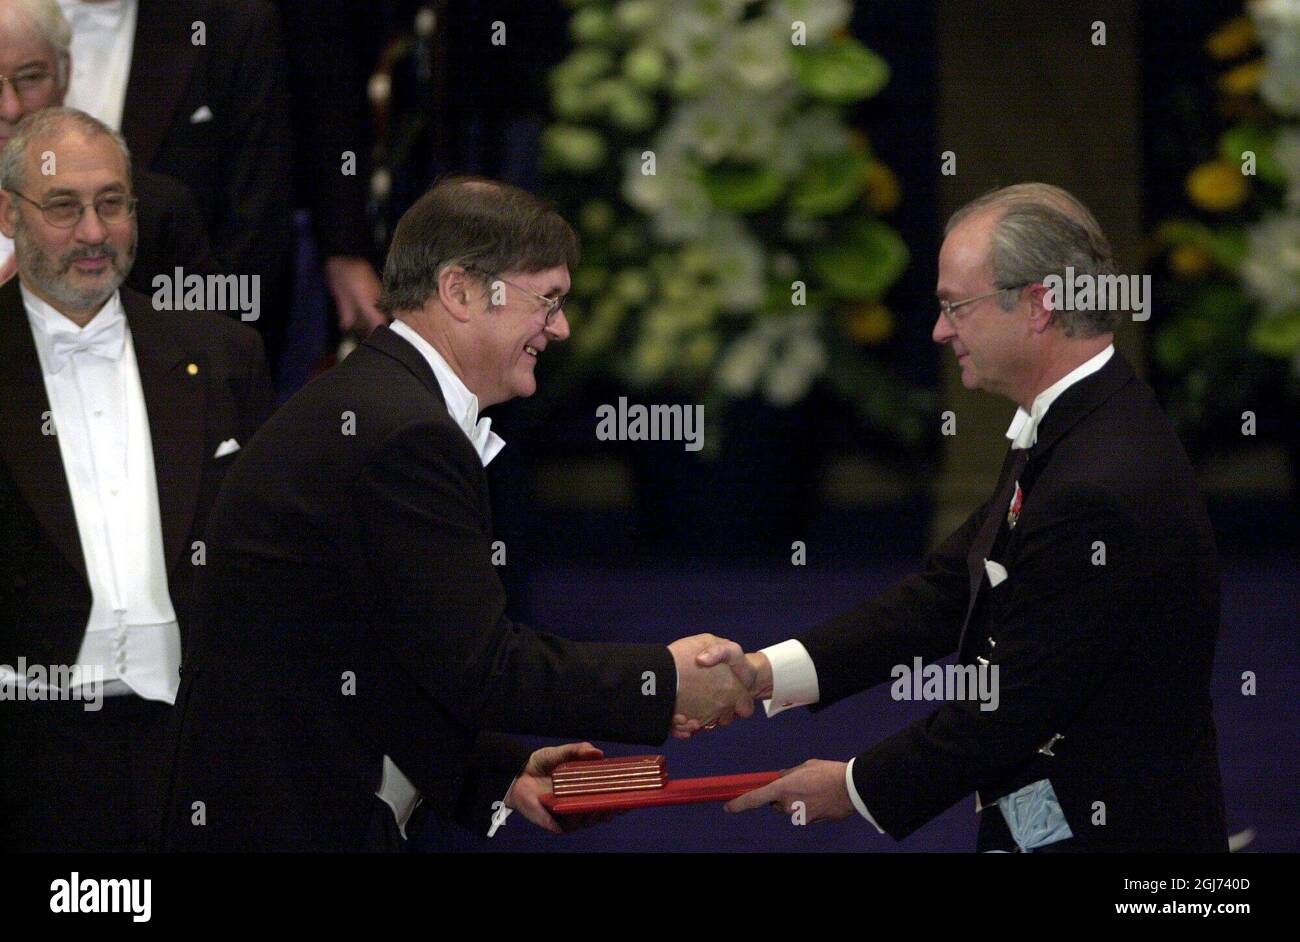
[[49, 276]]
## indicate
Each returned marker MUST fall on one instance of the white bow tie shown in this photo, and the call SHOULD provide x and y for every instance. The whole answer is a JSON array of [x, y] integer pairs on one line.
[[485, 441], [104, 340], [1027, 435]]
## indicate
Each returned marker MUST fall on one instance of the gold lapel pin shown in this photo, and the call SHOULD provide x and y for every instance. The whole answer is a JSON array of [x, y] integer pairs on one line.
[[192, 369]]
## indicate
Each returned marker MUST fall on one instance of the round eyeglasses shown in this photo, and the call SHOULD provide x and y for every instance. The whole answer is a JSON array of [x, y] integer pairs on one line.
[[63, 212]]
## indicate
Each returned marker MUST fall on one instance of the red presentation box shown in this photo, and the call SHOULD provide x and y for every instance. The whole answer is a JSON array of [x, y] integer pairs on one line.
[[593, 785]]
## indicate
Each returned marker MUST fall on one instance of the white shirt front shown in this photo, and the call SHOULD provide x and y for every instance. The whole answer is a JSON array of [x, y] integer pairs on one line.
[[103, 40], [461, 403], [1023, 430], [395, 789], [102, 427], [794, 676]]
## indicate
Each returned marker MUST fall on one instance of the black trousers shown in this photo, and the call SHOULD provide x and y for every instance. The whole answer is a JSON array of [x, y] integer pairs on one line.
[[73, 780]]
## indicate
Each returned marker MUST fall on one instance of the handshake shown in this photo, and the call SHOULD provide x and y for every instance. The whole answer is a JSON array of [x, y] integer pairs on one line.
[[716, 682]]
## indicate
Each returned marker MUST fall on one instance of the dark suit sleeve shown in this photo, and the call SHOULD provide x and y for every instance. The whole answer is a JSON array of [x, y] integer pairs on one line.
[[258, 401], [1062, 621], [919, 616], [328, 87], [252, 221], [183, 239], [423, 532], [172, 233]]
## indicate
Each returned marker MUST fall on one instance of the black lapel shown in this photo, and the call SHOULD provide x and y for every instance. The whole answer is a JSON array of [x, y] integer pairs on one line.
[[390, 344], [162, 59], [175, 398], [33, 457], [1080, 399], [385, 341], [982, 546]]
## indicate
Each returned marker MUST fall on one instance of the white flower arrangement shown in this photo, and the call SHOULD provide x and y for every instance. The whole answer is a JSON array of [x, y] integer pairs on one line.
[[727, 210], [1270, 271]]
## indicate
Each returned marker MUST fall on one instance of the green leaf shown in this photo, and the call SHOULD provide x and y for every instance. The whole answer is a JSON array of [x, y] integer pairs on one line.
[[1278, 335], [843, 72], [1248, 137], [1184, 232], [743, 189], [1228, 248], [574, 148], [830, 183], [1173, 349], [864, 263], [1221, 303]]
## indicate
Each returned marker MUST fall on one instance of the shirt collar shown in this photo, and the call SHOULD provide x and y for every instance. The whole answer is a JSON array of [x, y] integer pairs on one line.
[[107, 12], [47, 322], [53, 321], [1023, 430], [461, 403]]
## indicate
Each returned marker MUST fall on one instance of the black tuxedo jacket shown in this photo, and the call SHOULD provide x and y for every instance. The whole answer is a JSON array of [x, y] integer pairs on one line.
[[170, 232], [350, 610], [236, 163], [44, 594], [1113, 657]]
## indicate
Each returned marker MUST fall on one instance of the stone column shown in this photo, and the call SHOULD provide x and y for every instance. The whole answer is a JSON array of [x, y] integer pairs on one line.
[[1024, 94]]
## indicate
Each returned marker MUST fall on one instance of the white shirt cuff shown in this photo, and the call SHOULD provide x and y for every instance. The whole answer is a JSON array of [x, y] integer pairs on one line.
[[856, 798], [794, 677]]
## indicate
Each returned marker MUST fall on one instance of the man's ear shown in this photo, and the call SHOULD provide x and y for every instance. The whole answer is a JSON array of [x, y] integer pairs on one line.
[[1040, 307], [8, 213], [457, 290]]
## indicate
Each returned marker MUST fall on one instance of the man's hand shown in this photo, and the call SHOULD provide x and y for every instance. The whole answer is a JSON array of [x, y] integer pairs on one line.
[[818, 784], [708, 696], [355, 288], [525, 796], [752, 670]]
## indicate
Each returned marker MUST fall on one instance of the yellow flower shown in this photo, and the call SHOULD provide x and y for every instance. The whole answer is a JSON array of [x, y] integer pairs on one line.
[[882, 191], [1189, 261], [1242, 79], [1216, 186], [869, 323], [1234, 38]]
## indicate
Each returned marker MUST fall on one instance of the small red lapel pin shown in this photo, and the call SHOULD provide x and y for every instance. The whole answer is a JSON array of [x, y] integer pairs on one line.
[[1016, 500]]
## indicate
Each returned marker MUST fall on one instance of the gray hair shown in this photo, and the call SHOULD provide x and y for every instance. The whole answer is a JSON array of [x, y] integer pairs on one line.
[[1043, 231], [53, 27], [45, 124]]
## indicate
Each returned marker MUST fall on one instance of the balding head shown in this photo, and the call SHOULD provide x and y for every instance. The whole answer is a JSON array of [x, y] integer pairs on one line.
[[40, 21], [1040, 230], [17, 157], [34, 59]]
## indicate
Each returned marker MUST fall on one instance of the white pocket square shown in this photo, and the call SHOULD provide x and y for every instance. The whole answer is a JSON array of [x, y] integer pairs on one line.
[[996, 572], [204, 113], [230, 445]]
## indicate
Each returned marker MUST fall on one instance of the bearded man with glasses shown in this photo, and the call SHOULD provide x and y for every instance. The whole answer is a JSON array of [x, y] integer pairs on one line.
[[35, 69], [117, 424]]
